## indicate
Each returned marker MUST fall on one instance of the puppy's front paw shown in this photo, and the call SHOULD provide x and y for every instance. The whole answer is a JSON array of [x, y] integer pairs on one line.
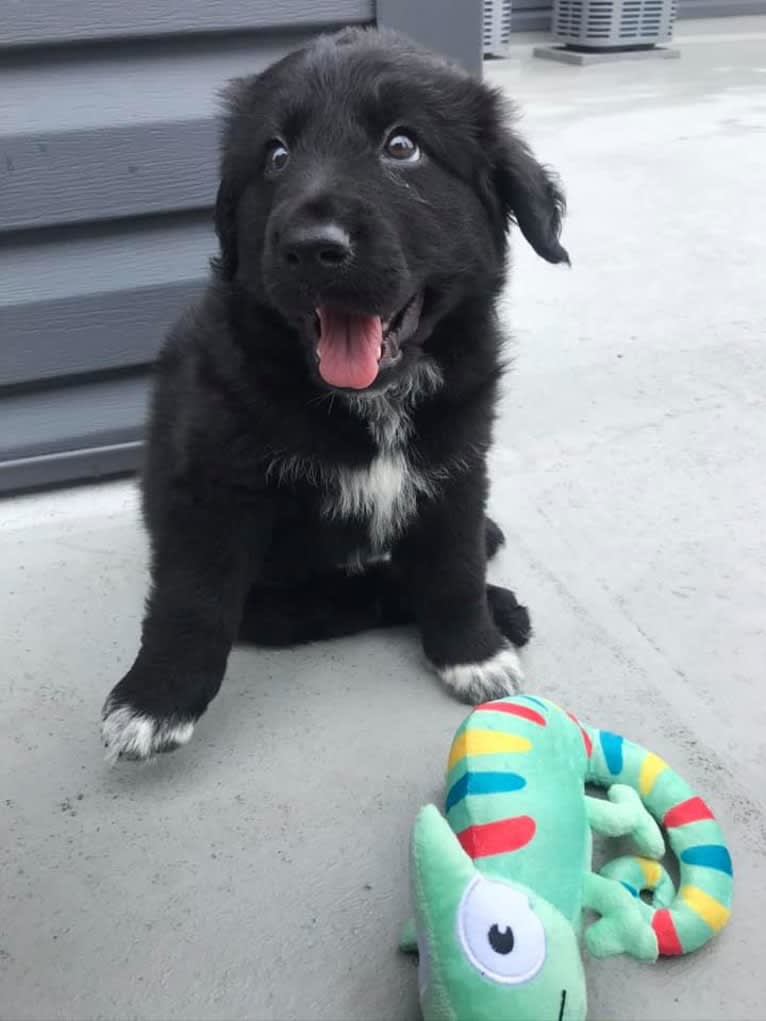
[[496, 677], [129, 733]]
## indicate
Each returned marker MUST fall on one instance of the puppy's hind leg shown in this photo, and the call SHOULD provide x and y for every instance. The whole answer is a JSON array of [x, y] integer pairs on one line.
[[510, 616], [493, 537]]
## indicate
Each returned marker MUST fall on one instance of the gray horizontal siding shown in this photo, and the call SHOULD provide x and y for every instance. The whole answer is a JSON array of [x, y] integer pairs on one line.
[[50, 420], [64, 467], [91, 136], [95, 333], [86, 175], [33, 22], [70, 433], [101, 301]]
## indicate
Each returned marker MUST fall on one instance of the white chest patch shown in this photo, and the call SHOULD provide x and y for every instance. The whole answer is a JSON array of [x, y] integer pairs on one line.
[[385, 493]]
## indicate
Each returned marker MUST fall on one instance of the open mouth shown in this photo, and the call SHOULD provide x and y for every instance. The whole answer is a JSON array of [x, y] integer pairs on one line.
[[352, 349]]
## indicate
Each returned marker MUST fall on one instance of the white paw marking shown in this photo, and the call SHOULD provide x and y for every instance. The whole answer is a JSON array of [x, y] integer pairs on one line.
[[138, 736], [499, 675]]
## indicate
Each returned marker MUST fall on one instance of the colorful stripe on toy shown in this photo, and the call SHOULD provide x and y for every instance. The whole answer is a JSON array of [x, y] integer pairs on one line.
[[651, 768], [692, 810], [668, 943], [652, 871], [501, 837], [483, 783], [473, 741], [712, 912], [611, 746], [585, 735], [513, 709], [710, 856]]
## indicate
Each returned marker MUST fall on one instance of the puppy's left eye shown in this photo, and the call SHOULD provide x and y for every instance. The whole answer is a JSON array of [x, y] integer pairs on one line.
[[402, 147], [277, 156]]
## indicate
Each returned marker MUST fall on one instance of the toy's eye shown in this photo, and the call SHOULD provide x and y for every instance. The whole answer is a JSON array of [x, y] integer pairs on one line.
[[401, 147], [500, 934], [276, 156]]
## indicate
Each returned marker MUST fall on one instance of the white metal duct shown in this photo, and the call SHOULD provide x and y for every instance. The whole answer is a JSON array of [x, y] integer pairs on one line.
[[496, 30], [612, 24]]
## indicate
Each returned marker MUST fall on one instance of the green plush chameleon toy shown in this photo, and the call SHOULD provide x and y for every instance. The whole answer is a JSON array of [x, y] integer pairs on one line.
[[501, 885]]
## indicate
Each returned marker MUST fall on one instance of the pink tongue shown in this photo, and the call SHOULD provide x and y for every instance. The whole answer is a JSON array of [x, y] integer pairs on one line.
[[349, 348]]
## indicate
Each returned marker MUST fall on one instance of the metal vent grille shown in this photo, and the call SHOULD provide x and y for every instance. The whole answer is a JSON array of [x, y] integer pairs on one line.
[[611, 24], [496, 27]]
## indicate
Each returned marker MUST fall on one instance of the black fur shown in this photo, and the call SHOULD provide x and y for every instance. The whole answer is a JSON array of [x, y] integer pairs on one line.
[[243, 432]]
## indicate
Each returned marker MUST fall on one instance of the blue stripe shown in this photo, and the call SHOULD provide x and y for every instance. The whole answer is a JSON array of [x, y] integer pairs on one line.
[[611, 745], [483, 783], [631, 889], [712, 856]]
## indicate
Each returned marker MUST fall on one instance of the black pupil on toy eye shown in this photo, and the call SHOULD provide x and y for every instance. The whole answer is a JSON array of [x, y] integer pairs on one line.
[[501, 942], [279, 156], [401, 147]]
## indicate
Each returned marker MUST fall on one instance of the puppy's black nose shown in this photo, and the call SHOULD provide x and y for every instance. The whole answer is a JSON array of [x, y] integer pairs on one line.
[[317, 246]]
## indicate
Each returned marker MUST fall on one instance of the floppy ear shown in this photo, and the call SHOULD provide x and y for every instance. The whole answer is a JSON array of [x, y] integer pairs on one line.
[[237, 103], [226, 228], [530, 195]]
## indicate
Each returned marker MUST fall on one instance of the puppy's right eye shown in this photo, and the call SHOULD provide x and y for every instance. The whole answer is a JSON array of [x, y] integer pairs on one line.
[[276, 156], [402, 147]]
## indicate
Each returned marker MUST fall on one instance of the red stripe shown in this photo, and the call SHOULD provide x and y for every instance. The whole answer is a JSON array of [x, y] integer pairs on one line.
[[585, 736], [514, 710], [497, 837], [588, 743], [692, 810], [668, 943]]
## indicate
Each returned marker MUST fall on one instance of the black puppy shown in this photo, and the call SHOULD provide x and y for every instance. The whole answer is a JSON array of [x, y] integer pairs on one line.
[[316, 456]]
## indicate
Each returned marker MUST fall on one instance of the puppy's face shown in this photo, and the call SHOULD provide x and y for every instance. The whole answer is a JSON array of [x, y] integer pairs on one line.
[[366, 190]]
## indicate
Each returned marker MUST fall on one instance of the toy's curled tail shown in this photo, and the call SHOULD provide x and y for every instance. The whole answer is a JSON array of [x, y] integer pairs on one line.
[[682, 921]]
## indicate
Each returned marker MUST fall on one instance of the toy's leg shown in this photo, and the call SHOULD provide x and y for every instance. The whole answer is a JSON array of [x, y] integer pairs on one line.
[[624, 926], [624, 814], [642, 875]]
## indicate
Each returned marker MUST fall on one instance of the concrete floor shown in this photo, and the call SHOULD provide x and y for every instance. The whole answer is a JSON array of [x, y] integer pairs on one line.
[[261, 871]]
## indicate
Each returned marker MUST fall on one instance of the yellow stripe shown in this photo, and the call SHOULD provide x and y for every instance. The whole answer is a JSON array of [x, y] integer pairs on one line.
[[710, 910], [485, 742], [651, 870], [651, 768]]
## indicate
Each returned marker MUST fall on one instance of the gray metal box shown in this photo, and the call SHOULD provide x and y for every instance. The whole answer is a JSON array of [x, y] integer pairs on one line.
[[496, 28], [612, 24]]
